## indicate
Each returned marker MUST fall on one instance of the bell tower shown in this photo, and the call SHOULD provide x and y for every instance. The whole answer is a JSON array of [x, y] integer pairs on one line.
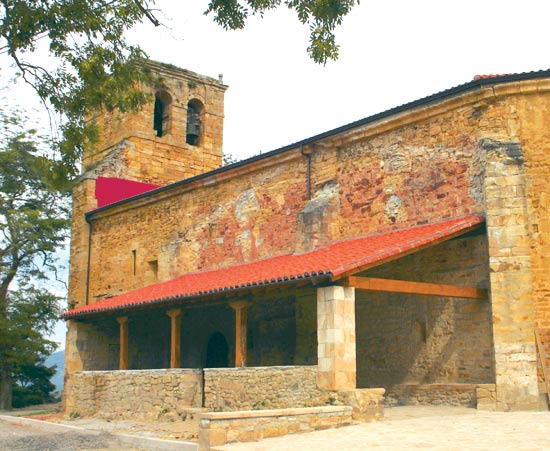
[[176, 135]]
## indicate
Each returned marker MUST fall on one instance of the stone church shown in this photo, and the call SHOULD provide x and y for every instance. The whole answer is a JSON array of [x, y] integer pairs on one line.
[[407, 253]]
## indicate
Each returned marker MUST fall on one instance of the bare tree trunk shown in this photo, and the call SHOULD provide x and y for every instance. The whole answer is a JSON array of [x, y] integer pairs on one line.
[[5, 388], [6, 391]]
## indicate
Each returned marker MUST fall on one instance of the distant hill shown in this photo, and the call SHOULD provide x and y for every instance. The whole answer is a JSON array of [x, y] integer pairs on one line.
[[58, 359]]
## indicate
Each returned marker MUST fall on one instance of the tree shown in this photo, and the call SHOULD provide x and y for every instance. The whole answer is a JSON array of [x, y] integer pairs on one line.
[[31, 313], [321, 16], [33, 225], [96, 68]]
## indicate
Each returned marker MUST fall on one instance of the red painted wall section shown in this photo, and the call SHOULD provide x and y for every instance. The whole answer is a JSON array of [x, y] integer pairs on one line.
[[109, 190]]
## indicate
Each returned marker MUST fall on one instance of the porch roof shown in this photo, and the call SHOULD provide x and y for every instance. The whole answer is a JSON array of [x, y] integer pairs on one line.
[[331, 262]]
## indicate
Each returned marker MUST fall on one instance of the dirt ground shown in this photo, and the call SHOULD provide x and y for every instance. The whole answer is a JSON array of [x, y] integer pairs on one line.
[[163, 428], [22, 437], [96, 433]]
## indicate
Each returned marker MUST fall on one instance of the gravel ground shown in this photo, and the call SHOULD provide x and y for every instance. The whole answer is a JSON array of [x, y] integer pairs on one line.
[[24, 437], [19, 430]]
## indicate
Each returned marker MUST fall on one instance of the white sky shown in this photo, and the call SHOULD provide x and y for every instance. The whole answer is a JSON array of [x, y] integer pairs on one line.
[[391, 52]]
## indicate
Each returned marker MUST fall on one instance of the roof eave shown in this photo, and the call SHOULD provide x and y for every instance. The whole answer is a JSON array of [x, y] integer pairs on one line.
[[301, 279]]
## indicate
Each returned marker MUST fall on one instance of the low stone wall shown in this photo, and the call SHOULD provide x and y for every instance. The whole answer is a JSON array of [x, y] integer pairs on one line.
[[138, 394], [277, 387], [465, 395], [172, 393], [367, 403], [216, 429], [486, 397]]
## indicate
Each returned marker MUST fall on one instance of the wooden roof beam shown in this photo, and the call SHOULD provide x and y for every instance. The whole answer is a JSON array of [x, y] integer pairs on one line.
[[420, 288]]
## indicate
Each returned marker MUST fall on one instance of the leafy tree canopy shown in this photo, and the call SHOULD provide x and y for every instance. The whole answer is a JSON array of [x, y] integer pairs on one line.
[[33, 225], [95, 67], [32, 312], [321, 16]]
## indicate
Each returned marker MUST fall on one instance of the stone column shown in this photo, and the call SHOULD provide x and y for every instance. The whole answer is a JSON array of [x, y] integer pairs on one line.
[[336, 368], [175, 337], [511, 276], [123, 359], [240, 308]]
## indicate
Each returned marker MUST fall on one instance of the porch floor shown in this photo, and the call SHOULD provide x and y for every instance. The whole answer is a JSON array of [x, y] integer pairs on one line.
[[421, 428]]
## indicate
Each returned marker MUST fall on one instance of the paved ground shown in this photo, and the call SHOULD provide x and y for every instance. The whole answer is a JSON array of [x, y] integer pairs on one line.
[[423, 428], [404, 429]]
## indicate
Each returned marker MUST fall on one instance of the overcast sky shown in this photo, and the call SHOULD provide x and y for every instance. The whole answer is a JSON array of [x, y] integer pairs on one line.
[[391, 52]]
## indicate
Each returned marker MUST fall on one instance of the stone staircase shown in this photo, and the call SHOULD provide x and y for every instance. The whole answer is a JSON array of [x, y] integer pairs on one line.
[[542, 336]]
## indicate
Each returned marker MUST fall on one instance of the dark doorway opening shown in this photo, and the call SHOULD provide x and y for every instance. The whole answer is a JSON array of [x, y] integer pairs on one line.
[[217, 351]]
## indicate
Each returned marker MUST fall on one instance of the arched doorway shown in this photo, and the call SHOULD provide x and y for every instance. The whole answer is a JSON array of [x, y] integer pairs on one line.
[[217, 351]]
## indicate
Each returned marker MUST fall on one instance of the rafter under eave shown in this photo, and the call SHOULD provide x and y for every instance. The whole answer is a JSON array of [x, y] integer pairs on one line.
[[420, 288]]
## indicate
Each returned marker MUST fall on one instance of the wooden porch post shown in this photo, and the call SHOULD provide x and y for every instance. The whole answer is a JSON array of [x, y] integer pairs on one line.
[[240, 308], [123, 359], [175, 337]]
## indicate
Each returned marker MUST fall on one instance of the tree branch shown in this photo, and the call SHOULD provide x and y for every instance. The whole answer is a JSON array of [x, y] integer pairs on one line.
[[147, 13]]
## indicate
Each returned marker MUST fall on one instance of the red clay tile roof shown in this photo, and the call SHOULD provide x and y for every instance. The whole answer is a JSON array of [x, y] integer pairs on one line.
[[332, 262]]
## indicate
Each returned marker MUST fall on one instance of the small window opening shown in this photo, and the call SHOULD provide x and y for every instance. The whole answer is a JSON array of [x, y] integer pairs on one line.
[[161, 119], [194, 110], [134, 262], [154, 270], [421, 332]]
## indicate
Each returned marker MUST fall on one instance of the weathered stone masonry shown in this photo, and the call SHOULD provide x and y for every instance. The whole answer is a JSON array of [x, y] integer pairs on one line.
[[481, 150]]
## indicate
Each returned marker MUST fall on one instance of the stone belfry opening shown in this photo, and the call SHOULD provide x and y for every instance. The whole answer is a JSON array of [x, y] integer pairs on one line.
[[161, 115], [194, 111]]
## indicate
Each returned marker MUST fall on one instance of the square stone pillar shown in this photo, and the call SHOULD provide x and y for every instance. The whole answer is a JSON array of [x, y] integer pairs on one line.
[[508, 233], [336, 359]]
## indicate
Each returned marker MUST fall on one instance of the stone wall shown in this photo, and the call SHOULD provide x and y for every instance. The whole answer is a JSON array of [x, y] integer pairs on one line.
[[232, 389], [92, 345], [534, 139], [167, 158], [465, 395], [484, 151], [426, 339], [421, 172], [262, 388], [154, 394], [216, 429], [281, 330], [133, 394], [511, 276]]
